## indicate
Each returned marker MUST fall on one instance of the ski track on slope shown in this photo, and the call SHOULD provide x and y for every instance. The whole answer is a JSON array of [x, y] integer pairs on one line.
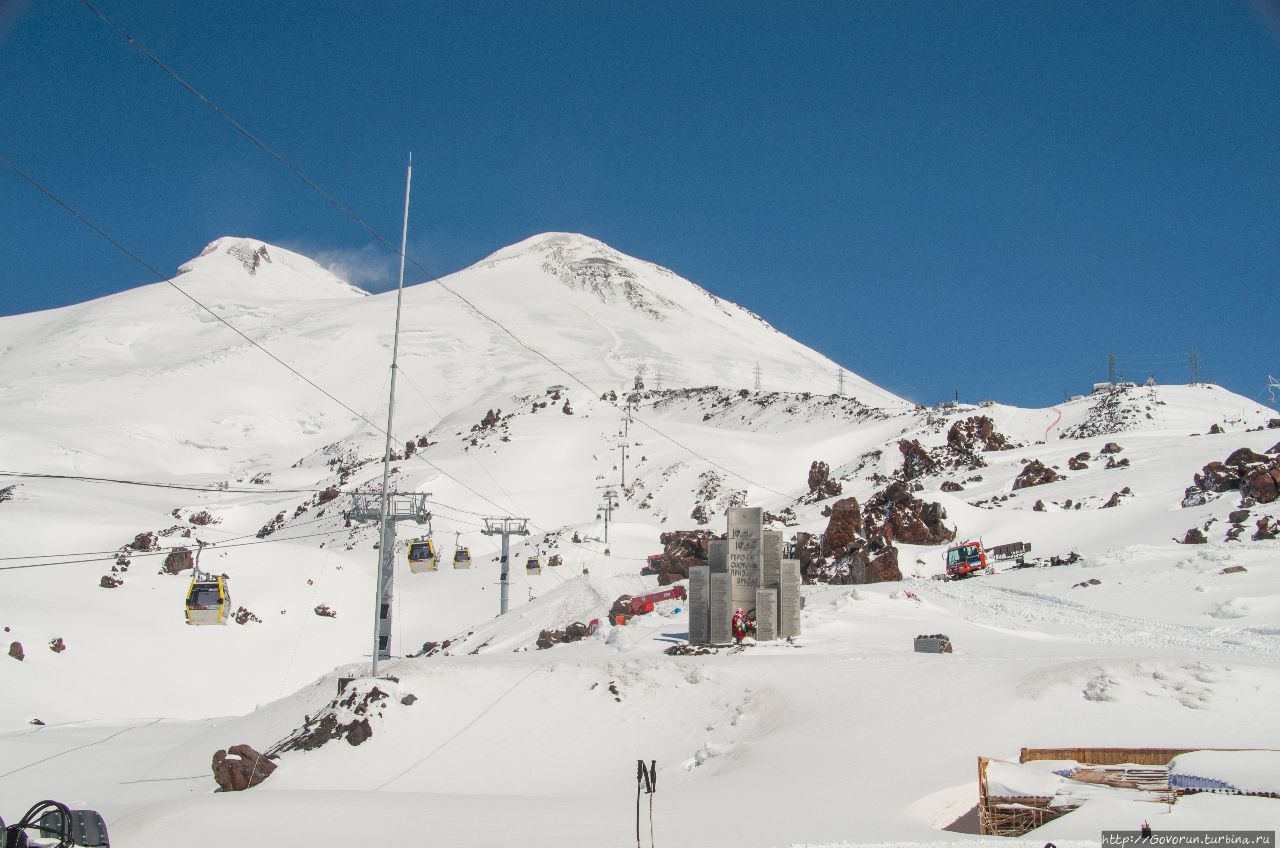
[[978, 602], [75, 748]]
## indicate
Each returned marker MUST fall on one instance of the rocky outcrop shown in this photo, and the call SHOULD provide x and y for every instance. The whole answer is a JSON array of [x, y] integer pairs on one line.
[[271, 526], [843, 527], [916, 461], [975, 434], [808, 550], [575, 632], [1194, 536], [882, 569], [1035, 473], [178, 560], [857, 546], [240, 767], [1254, 475], [901, 517], [821, 486], [349, 716], [680, 550], [15, 651], [110, 582], [243, 615], [325, 611], [57, 645], [144, 542]]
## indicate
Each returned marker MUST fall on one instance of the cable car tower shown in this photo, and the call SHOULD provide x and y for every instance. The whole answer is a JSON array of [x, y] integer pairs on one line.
[[506, 528]]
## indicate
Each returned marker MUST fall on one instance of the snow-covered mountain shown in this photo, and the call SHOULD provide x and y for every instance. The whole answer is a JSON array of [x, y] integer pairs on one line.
[[1164, 650]]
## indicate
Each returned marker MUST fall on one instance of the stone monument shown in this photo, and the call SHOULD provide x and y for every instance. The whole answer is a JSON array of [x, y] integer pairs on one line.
[[744, 571]]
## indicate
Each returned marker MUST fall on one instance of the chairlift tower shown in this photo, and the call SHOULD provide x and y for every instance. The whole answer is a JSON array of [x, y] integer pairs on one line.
[[622, 448], [400, 506], [608, 494], [506, 528]]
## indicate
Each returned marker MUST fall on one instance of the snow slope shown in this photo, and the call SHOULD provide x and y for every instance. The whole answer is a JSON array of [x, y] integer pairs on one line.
[[845, 737]]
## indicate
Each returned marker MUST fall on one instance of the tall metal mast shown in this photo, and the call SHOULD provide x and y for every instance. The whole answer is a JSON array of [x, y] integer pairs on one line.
[[386, 564]]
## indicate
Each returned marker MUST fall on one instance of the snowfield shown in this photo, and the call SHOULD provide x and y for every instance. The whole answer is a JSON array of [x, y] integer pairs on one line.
[[846, 737]]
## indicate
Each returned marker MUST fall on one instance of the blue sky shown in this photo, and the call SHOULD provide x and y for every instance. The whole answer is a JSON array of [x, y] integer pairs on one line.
[[979, 197]]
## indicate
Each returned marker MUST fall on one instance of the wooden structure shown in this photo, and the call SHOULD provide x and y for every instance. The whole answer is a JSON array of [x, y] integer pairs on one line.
[[1110, 756], [999, 815], [1143, 769]]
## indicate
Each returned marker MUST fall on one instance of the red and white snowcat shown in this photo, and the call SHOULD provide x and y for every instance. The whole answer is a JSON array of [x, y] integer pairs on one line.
[[970, 558]]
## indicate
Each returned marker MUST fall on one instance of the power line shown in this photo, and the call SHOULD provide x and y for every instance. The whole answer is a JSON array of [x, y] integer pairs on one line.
[[165, 551], [179, 486]]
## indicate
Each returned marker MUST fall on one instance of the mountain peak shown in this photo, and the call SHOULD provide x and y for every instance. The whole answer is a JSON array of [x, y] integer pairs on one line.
[[564, 246], [274, 270]]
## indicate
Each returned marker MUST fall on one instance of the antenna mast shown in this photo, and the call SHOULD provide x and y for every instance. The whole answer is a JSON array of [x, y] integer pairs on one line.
[[386, 562]]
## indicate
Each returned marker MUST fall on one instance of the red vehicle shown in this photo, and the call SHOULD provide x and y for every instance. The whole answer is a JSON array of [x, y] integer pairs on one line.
[[652, 565], [970, 558], [627, 606], [966, 559]]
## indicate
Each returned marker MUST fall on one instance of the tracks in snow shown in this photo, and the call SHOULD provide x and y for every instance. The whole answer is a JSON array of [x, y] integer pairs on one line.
[[979, 602]]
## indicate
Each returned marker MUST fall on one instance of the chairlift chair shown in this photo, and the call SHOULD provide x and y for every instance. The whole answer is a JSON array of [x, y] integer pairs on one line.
[[208, 599], [422, 555], [533, 565]]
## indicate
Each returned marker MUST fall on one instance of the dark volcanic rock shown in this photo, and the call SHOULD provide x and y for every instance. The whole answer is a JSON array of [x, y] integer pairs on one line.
[[1194, 537], [1243, 458], [977, 433], [821, 486], [1217, 477], [178, 560], [680, 550], [15, 651], [884, 568], [1035, 473], [916, 461], [901, 517], [240, 767], [144, 542], [1261, 485], [844, 525]]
